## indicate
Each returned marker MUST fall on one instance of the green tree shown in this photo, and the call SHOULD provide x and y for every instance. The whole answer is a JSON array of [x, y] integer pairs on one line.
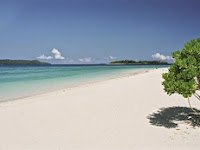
[[184, 74]]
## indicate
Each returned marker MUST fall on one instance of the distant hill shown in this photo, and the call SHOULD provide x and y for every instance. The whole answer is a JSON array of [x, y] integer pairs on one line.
[[140, 62], [22, 62]]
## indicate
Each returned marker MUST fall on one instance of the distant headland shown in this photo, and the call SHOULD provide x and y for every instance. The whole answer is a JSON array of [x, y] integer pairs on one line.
[[9, 62], [132, 62]]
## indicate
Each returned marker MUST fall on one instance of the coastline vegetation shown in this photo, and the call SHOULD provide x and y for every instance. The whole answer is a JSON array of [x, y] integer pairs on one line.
[[184, 74], [22, 62], [154, 62]]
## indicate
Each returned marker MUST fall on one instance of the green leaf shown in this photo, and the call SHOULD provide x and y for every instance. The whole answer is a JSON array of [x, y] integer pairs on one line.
[[183, 72]]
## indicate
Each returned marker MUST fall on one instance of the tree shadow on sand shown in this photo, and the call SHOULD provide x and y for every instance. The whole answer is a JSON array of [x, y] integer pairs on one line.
[[170, 117]]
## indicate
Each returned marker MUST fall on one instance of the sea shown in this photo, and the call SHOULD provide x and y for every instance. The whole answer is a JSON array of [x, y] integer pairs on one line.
[[23, 81]]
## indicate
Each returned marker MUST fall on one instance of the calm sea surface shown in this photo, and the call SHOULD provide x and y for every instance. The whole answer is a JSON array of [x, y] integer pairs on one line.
[[17, 82]]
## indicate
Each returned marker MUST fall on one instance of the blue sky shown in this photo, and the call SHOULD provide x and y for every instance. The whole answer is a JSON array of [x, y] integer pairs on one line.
[[96, 31]]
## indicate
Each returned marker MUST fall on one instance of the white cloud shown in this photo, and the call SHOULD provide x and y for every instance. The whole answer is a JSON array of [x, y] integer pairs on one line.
[[111, 57], [44, 57], [57, 54], [68, 60], [88, 59], [161, 57]]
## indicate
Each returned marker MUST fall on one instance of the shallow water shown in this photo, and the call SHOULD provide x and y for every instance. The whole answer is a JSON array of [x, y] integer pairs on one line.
[[22, 81]]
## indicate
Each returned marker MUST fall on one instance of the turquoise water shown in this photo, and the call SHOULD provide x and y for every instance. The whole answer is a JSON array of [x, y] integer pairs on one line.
[[17, 82]]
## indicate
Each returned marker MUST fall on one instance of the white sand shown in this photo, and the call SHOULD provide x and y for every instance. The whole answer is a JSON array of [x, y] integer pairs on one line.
[[108, 115]]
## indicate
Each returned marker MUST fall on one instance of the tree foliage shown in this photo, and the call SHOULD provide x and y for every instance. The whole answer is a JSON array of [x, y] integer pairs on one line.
[[139, 62], [184, 74]]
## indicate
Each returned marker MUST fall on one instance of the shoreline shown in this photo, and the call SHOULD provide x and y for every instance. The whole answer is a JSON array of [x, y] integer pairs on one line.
[[122, 113], [87, 83]]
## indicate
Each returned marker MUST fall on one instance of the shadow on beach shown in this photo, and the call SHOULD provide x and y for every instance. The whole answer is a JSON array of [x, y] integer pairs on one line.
[[171, 117]]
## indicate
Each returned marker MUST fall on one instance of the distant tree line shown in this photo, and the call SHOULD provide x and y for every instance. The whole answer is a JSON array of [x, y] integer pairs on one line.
[[22, 62], [154, 62]]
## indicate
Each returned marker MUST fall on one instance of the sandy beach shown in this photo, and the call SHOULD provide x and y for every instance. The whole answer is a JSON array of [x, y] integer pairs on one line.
[[127, 113]]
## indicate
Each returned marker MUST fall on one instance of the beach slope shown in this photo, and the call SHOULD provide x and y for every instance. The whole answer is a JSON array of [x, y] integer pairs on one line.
[[116, 114]]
